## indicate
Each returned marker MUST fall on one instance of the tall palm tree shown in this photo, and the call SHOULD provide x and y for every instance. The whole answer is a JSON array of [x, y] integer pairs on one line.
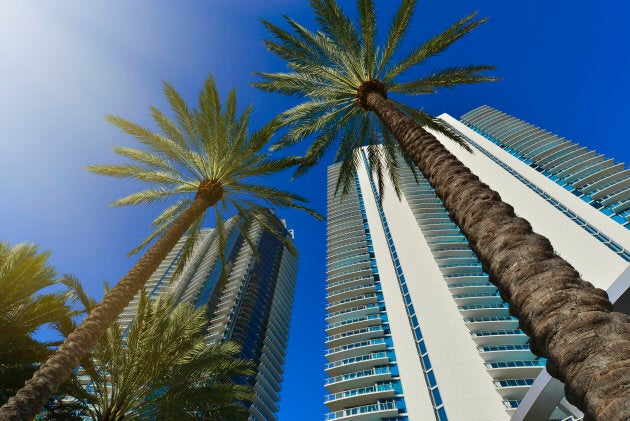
[[24, 272], [346, 80], [160, 368], [205, 159]]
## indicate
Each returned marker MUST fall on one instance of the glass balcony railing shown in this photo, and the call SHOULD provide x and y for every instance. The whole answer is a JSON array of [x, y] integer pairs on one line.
[[490, 319], [387, 408], [347, 361], [494, 348], [511, 404], [351, 299], [360, 391], [515, 364], [362, 344], [373, 329], [497, 332], [370, 317], [359, 374], [513, 383], [482, 306]]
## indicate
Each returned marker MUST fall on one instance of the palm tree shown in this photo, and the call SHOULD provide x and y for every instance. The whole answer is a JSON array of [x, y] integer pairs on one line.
[[24, 272], [160, 368], [205, 159], [346, 79]]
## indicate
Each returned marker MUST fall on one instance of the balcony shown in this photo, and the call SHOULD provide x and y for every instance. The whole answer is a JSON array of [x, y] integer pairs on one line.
[[372, 412], [477, 298], [354, 336], [352, 313], [471, 287], [358, 379], [492, 309], [352, 324], [348, 279], [356, 349], [502, 322], [360, 396], [352, 301], [500, 337], [496, 353], [363, 362], [513, 389], [512, 369], [353, 290]]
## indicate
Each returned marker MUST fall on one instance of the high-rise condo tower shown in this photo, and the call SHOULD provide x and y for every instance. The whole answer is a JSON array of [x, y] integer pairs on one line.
[[415, 329], [253, 308]]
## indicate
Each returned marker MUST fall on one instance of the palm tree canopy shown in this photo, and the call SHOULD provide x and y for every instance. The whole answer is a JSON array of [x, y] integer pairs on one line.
[[24, 272], [160, 366], [334, 66], [207, 147]]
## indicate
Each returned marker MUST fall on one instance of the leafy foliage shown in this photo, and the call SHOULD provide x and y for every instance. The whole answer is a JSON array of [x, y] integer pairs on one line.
[[329, 66], [211, 142], [24, 272], [159, 367]]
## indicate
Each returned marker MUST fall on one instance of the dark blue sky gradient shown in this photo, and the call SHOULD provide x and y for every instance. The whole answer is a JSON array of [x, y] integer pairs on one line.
[[64, 65]]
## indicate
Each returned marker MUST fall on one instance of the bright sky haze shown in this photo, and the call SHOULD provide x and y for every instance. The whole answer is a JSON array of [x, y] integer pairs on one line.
[[64, 65]]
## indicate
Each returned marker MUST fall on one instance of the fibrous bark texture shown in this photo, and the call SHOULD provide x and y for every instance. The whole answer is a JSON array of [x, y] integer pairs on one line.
[[30, 399], [570, 322]]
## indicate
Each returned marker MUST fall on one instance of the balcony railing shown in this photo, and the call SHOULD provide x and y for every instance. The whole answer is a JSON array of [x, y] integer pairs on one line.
[[383, 409]]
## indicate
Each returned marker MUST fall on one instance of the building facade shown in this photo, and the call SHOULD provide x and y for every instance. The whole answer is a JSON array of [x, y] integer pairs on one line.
[[415, 329], [253, 308]]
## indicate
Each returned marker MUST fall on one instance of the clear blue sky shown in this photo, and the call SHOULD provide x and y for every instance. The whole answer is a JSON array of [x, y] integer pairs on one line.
[[65, 64]]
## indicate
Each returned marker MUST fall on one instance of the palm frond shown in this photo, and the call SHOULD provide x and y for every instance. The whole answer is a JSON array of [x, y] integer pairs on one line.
[[444, 78], [397, 31], [433, 46]]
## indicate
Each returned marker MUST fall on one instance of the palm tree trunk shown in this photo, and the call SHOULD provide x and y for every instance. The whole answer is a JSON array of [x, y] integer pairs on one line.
[[569, 322], [30, 399]]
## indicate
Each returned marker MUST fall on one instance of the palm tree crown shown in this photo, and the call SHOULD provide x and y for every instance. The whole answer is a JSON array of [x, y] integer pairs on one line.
[[24, 272], [335, 67], [160, 367], [205, 151]]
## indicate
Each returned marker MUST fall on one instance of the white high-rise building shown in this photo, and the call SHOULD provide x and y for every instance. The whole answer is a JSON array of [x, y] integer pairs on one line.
[[415, 329]]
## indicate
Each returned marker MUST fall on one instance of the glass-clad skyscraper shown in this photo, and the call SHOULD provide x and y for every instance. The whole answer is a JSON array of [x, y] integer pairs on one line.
[[415, 329], [253, 308]]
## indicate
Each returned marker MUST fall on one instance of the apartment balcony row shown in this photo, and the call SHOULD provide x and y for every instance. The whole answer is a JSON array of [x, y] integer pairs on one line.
[[350, 291], [358, 379], [444, 242], [497, 353], [471, 287], [348, 275], [355, 349], [359, 396], [350, 302], [352, 324], [513, 369], [359, 363], [513, 389], [360, 248], [337, 284], [376, 411], [352, 313], [484, 323], [500, 337], [478, 298], [486, 306], [350, 265], [472, 268], [354, 336], [460, 278]]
